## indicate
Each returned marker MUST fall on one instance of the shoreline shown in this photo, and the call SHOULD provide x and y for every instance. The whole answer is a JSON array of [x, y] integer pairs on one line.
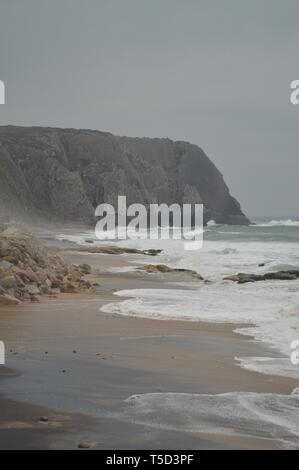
[[117, 357]]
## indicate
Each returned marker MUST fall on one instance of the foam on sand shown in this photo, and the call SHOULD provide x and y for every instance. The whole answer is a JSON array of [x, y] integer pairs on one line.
[[271, 318], [248, 414]]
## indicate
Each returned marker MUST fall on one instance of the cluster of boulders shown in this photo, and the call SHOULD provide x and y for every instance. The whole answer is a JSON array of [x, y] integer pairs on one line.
[[243, 278], [29, 270]]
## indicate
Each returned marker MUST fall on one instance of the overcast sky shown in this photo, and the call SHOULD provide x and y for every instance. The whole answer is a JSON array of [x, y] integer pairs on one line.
[[215, 73]]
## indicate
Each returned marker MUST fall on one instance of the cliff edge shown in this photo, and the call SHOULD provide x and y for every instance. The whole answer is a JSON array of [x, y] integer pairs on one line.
[[63, 174]]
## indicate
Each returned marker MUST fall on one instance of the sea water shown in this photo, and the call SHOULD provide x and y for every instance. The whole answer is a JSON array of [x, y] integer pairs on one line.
[[267, 310]]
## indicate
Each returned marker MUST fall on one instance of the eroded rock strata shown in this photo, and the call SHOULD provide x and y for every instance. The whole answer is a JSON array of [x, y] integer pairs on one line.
[[63, 174]]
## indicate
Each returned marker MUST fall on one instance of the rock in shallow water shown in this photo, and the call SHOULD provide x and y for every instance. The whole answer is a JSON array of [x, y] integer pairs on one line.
[[243, 278], [163, 268]]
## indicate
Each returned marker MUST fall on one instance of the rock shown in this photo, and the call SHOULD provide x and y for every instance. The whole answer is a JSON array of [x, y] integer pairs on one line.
[[85, 284], [40, 273], [157, 268], [34, 270], [56, 284], [246, 279], [32, 289], [84, 445], [75, 276], [10, 259], [243, 278], [68, 287], [85, 268], [79, 167], [21, 274], [117, 250], [31, 275], [48, 282], [55, 291], [5, 265], [234, 277], [44, 290], [6, 299], [163, 268], [281, 276], [8, 282], [152, 252], [44, 419], [20, 283]]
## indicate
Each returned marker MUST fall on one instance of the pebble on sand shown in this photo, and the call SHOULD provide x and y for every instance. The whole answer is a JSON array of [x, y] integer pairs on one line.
[[84, 445], [44, 419]]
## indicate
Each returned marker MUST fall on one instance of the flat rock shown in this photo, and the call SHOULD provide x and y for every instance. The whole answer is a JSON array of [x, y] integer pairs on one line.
[[163, 268], [6, 299], [243, 278]]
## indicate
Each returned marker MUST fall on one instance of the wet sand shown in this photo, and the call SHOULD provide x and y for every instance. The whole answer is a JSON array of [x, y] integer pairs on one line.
[[76, 364]]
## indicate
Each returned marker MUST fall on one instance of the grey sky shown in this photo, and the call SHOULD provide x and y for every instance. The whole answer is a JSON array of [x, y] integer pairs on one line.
[[216, 73]]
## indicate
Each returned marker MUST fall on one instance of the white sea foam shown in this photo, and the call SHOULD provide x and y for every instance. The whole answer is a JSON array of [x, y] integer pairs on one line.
[[122, 269], [267, 311], [272, 323], [79, 238], [282, 222], [211, 223], [256, 415], [270, 365], [270, 308]]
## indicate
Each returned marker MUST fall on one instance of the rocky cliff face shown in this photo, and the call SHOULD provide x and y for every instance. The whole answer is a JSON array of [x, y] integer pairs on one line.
[[63, 174]]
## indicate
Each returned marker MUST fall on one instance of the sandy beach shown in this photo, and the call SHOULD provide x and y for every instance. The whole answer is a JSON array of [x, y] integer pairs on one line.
[[76, 365], [149, 229]]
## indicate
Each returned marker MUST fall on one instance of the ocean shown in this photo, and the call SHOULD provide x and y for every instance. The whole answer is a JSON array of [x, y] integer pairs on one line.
[[267, 311]]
